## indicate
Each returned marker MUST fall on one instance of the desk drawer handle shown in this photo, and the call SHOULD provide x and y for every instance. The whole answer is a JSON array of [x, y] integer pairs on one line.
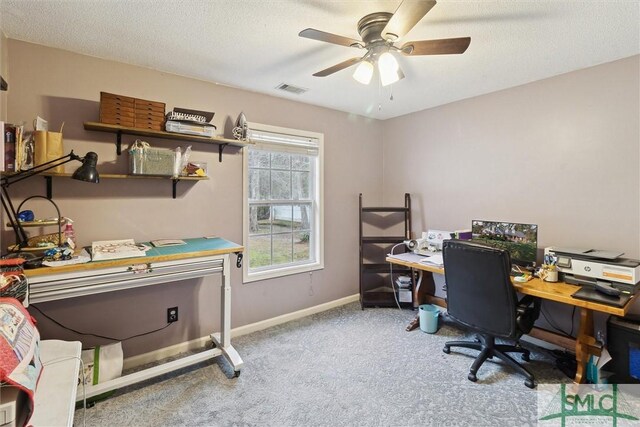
[[140, 268]]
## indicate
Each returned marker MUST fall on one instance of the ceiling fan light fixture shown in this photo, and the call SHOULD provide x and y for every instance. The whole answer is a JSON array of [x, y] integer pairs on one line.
[[363, 72], [388, 68]]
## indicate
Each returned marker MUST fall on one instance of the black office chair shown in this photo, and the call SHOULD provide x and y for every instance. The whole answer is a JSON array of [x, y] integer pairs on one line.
[[480, 296]]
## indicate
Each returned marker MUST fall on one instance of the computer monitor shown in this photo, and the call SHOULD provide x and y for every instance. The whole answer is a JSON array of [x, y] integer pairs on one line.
[[520, 240]]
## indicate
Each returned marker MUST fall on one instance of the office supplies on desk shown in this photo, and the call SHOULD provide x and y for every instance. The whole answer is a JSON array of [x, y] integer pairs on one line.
[[435, 239], [167, 242], [407, 257], [548, 272], [434, 259], [81, 258], [417, 246], [430, 242], [522, 279]]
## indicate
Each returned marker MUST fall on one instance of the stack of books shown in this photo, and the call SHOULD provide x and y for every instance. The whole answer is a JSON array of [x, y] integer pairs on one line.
[[16, 148], [190, 122]]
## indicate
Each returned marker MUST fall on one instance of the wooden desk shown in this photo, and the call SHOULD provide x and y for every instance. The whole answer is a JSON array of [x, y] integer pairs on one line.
[[586, 343], [198, 258]]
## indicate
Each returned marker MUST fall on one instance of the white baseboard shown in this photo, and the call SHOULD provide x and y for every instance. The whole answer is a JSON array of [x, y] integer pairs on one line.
[[198, 343]]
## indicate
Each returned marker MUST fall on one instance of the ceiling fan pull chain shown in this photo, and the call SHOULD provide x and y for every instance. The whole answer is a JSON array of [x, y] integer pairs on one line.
[[379, 96]]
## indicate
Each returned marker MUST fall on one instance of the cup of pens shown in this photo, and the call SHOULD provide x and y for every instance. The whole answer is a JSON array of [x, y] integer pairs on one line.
[[549, 271]]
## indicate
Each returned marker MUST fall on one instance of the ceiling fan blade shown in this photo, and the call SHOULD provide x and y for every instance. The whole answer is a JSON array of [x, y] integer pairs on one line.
[[436, 47], [322, 36], [337, 67], [406, 17]]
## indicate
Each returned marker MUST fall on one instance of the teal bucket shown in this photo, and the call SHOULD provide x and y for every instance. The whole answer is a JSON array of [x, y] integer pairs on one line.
[[428, 318]]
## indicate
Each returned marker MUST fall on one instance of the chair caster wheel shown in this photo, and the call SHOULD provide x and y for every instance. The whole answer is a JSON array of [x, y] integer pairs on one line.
[[530, 383], [236, 374], [446, 350], [472, 377], [526, 357]]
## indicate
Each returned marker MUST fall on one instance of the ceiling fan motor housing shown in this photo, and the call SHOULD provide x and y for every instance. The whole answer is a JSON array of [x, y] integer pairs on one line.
[[370, 27]]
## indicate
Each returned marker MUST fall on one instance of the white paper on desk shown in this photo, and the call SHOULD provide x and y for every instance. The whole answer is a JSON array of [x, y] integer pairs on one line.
[[116, 249], [435, 259], [407, 257]]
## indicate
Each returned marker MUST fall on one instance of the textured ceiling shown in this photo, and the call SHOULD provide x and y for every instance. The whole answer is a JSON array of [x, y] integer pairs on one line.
[[254, 44]]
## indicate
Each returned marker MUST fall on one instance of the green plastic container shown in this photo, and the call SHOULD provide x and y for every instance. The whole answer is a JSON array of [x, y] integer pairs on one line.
[[428, 318]]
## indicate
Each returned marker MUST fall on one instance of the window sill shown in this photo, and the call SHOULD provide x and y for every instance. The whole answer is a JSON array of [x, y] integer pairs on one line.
[[280, 272]]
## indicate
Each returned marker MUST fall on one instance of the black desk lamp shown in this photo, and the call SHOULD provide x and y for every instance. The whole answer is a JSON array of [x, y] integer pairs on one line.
[[87, 172]]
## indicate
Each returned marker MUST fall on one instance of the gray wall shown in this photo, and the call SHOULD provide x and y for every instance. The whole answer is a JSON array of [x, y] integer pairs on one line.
[[63, 86], [562, 153]]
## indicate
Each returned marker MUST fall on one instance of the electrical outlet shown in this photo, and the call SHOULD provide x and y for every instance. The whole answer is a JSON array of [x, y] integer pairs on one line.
[[172, 314]]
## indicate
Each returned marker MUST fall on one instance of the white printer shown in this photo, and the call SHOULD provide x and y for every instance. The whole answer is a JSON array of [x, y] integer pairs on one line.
[[430, 242], [588, 266]]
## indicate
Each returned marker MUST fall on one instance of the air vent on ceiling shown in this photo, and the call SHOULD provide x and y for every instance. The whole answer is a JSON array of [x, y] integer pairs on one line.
[[291, 88]]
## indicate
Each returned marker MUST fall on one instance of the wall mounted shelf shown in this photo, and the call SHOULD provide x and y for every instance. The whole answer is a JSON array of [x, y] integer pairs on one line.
[[124, 130], [49, 176]]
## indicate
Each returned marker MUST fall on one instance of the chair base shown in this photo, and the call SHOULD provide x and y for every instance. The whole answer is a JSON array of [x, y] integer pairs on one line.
[[488, 348]]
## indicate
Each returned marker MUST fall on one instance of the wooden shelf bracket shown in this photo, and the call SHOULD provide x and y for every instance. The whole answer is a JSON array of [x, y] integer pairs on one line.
[[221, 148], [119, 142]]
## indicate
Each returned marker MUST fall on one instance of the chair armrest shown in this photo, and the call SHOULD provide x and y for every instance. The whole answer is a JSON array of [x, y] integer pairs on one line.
[[527, 312], [527, 301]]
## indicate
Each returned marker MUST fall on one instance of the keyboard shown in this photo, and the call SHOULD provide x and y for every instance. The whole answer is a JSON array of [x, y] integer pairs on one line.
[[590, 294]]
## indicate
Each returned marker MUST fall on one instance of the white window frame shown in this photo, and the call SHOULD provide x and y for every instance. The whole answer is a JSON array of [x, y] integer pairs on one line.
[[318, 213]]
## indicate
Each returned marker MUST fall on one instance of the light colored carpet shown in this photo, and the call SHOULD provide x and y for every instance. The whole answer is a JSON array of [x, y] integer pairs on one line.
[[343, 367]]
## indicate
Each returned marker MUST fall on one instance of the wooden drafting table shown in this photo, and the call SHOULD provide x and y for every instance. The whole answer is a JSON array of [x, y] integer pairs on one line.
[[586, 343], [198, 258]]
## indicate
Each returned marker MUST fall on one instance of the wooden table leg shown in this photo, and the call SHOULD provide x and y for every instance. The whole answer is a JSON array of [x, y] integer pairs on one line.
[[584, 342], [418, 296], [417, 289], [424, 286]]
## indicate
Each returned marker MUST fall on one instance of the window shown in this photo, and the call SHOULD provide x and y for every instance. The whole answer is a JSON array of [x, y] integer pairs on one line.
[[283, 212]]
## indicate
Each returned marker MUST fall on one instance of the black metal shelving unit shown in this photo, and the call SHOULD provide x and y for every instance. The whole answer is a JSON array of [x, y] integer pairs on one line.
[[376, 289]]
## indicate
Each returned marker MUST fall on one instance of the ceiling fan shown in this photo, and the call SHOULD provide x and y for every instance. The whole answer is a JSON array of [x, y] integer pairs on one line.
[[379, 32]]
